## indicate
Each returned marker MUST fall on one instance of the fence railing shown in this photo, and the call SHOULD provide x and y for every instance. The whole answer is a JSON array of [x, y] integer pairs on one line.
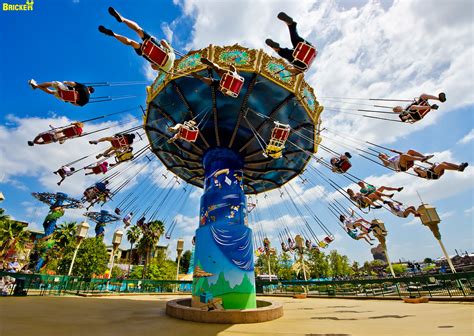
[[442, 285], [439, 285]]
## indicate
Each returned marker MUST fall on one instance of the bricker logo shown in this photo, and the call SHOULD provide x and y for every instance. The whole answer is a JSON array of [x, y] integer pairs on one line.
[[27, 6]]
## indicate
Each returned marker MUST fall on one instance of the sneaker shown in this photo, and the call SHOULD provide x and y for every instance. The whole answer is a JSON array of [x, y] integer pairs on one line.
[[98, 156], [31, 143], [285, 18], [376, 207], [272, 44], [434, 107], [106, 31], [442, 97], [400, 189], [93, 142], [207, 62], [391, 195], [463, 166], [115, 14], [33, 84], [347, 154], [427, 157]]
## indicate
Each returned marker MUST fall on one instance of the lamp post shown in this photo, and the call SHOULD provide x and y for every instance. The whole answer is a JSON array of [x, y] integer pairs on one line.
[[378, 228], [380, 233], [179, 251], [116, 240], [81, 233], [429, 217]]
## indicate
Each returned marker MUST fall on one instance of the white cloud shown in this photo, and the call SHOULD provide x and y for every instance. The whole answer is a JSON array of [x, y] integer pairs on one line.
[[467, 138], [149, 73], [20, 160], [375, 55]]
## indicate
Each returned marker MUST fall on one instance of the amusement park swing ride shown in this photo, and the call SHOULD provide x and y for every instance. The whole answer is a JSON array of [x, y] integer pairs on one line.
[[237, 123]]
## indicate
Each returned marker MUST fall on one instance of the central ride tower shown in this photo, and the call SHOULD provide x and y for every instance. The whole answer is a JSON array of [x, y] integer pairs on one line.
[[226, 159]]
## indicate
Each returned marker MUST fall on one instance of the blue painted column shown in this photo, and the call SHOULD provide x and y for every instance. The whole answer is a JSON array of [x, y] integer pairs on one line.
[[223, 260]]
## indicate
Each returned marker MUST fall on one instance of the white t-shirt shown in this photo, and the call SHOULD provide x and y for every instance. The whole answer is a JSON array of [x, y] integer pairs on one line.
[[394, 162], [349, 222], [67, 170]]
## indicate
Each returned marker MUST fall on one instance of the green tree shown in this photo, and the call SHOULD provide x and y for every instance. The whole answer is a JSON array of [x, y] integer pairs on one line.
[[13, 235], [428, 260], [92, 258], [285, 272], [159, 268], [149, 240], [261, 264], [184, 262], [133, 234], [339, 264], [318, 264], [64, 235], [355, 268], [397, 268]]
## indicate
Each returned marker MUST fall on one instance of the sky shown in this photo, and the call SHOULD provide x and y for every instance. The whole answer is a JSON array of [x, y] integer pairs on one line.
[[367, 49]]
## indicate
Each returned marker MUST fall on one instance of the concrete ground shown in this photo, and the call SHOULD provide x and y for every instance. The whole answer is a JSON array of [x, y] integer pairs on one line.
[[145, 315]]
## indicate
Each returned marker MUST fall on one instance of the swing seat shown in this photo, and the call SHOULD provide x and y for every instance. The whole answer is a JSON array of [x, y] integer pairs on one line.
[[322, 244], [154, 53], [305, 53], [122, 157], [48, 137], [189, 133], [344, 166], [329, 239], [72, 131], [98, 170], [274, 151], [90, 194], [231, 84], [280, 132], [69, 96], [120, 142]]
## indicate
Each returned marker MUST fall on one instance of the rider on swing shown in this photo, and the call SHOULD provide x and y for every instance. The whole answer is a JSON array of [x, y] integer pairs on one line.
[[55, 88], [60, 134], [146, 38], [287, 53], [419, 108]]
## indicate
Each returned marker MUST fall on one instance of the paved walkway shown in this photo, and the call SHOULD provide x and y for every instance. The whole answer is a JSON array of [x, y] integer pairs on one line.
[[145, 315]]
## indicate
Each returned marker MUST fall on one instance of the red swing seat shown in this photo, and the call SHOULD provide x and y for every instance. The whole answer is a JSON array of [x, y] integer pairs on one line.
[[231, 84], [72, 131], [329, 239], [305, 53], [154, 53], [120, 142], [48, 137], [188, 133], [280, 132], [69, 96], [344, 166]]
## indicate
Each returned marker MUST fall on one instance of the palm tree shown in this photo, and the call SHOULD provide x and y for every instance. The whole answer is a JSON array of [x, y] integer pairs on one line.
[[13, 235], [64, 234], [149, 240], [133, 234]]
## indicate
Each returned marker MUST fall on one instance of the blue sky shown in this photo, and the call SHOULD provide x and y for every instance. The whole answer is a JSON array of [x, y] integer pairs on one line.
[[364, 51]]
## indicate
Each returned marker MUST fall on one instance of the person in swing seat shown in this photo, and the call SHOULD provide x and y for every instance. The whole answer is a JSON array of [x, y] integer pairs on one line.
[[399, 210], [287, 53], [376, 194], [119, 143], [60, 134], [436, 170], [419, 108], [146, 38], [341, 164], [55, 88], [64, 172], [361, 200], [401, 162]]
